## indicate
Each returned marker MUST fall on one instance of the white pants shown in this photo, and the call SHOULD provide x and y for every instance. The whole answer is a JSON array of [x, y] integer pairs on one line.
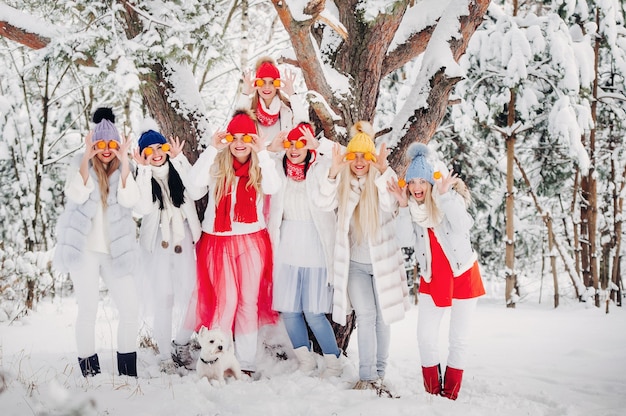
[[428, 325], [86, 281], [169, 283]]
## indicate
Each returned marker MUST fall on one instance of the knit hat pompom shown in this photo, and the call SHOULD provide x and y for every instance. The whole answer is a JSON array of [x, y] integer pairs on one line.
[[296, 133], [421, 165], [243, 122], [103, 113], [150, 134], [361, 142], [266, 68], [105, 129]]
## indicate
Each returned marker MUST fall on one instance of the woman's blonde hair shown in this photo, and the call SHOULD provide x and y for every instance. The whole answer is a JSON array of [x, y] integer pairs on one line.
[[103, 172], [366, 220], [224, 173]]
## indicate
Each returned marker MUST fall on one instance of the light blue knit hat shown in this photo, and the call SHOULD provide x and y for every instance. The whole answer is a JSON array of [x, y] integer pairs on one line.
[[420, 166]]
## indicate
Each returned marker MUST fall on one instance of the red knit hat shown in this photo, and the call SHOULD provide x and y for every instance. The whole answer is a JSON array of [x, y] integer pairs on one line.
[[241, 123], [295, 133], [267, 70]]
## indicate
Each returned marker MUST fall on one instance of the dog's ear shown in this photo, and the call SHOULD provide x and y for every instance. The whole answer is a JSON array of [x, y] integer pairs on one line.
[[202, 330]]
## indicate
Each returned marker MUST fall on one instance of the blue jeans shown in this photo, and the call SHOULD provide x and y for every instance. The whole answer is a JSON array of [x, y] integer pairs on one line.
[[373, 334], [296, 329]]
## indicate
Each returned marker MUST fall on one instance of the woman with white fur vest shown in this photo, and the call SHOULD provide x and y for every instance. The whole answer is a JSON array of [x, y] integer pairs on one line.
[[96, 237], [438, 224], [303, 237], [368, 267], [169, 230]]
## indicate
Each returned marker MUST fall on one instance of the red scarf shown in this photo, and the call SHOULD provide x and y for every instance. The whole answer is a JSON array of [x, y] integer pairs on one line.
[[265, 118], [296, 172], [245, 206]]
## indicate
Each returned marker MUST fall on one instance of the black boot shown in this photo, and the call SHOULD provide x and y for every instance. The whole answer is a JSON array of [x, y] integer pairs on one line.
[[89, 366], [127, 364]]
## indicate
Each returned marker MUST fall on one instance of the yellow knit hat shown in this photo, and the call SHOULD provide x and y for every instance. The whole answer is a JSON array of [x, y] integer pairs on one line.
[[361, 141]]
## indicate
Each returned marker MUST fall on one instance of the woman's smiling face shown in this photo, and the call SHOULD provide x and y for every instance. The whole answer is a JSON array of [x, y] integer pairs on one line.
[[359, 166], [418, 188]]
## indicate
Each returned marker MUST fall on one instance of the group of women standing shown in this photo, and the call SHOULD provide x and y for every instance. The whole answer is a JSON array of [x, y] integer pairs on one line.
[[287, 233]]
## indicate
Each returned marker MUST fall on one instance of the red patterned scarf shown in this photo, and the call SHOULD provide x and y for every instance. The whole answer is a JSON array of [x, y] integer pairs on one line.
[[295, 172], [245, 206], [265, 118]]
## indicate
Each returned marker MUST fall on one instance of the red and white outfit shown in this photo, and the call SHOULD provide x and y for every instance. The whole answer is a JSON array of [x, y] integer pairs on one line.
[[234, 256], [450, 280]]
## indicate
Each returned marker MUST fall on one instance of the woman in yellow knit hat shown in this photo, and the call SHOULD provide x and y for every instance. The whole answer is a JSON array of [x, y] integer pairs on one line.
[[368, 272]]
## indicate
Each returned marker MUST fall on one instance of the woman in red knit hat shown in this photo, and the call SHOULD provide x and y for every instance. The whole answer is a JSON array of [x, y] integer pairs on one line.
[[304, 239], [234, 253], [271, 98]]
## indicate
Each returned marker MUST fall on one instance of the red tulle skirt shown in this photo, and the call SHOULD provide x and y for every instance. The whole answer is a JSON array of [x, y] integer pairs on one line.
[[235, 282]]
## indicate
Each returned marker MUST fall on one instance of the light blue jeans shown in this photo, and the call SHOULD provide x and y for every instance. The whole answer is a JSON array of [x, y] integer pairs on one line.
[[372, 333], [299, 336]]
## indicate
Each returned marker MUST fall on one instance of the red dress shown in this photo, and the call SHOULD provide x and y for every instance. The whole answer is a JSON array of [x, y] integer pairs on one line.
[[443, 286]]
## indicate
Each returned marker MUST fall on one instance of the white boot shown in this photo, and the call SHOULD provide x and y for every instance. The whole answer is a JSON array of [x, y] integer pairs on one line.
[[306, 359], [334, 366]]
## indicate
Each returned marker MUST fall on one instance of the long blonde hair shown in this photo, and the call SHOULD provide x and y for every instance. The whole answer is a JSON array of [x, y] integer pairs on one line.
[[366, 219], [224, 173], [103, 172]]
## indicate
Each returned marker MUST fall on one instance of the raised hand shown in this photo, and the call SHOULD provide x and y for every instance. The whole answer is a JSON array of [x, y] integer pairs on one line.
[[248, 82], [219, 139], [444, 184], [288, 80], [398, 192], [140, 158], [339, 161], [258, 143], [381, 159], [311, 140], [276, 145], [176, 147]]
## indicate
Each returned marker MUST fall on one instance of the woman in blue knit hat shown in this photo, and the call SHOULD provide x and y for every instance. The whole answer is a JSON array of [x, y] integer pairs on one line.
[[96, 237], [169, 229], [436, 221]]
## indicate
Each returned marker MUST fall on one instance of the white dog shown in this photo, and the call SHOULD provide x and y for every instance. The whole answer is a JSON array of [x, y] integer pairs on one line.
[[217, 357]]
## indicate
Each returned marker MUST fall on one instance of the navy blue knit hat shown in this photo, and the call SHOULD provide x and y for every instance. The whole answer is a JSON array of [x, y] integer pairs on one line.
[[150, 137], [420, 166]]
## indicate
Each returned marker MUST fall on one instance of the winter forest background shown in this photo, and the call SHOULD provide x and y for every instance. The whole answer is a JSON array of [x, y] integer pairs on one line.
[[527, 97]]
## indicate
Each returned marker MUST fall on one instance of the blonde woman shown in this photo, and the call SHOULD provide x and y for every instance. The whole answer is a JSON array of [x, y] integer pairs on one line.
[[436, 221], [368, 271], [96, 237], [234, 253]]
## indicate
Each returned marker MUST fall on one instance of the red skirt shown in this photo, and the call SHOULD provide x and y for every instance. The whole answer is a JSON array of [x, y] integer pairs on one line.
[[443, 286], [235, 281]]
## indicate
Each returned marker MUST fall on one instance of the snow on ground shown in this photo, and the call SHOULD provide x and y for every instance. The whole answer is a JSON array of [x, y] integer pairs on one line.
[[532, 360]]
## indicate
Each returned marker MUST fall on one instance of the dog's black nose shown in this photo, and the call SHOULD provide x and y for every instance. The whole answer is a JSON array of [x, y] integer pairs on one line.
[[220, 348]]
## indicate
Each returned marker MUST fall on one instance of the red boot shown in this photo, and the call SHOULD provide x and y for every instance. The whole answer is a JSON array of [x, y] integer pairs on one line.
[[452, 383], [432, 379]]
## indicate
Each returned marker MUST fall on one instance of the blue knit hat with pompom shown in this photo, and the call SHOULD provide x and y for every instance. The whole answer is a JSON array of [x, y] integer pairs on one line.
[[420, 166]]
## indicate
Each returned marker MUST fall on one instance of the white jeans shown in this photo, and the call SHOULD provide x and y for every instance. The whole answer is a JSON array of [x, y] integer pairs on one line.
[[86, 281], [428, 324]]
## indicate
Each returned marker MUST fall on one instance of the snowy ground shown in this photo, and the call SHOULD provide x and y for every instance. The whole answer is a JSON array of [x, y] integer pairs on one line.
[[533, 360]]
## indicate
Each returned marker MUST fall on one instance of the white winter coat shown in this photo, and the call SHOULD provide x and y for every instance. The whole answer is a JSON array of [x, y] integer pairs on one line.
[[325, 221], [390, 280], [150, 209], [453, 234]]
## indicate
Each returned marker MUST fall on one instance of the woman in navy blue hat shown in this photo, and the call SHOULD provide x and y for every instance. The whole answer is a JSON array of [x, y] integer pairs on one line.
[[96, 237], [436, 221], [169, 229]]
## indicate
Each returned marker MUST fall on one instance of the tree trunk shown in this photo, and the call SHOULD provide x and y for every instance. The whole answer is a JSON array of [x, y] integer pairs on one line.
[[548, 221], [509, 254]]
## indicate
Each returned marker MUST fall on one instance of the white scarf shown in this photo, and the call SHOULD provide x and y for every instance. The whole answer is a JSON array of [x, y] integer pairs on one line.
[[172, 218], [421, 216]]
